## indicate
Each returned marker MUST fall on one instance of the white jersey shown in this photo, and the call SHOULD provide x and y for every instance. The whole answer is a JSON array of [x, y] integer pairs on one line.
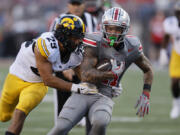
[[25, 67], [172, 28]]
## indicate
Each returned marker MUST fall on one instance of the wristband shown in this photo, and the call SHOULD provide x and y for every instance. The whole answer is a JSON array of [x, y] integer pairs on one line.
[[146, 93], [147, 87]]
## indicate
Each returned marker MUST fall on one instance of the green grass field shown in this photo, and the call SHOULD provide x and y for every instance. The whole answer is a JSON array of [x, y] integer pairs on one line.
[[124, 120]]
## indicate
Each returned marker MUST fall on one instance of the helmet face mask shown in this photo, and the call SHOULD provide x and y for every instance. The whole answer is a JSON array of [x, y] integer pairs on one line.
[[114, 33], [118, 18], [68, 29]]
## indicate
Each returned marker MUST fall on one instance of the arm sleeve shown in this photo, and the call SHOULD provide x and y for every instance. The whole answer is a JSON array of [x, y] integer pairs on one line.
[[42, 47], [137, 48]]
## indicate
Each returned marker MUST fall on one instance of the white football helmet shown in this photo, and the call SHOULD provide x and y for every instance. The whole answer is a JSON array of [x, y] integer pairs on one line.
[[118, 17]]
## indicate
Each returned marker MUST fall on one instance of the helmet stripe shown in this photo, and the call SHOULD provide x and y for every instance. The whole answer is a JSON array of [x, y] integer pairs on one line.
[[113, 13], [116, 14], [120, 14]]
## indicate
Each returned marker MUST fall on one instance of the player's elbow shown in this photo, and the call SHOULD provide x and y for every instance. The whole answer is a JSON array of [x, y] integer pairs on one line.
[[149, 73]]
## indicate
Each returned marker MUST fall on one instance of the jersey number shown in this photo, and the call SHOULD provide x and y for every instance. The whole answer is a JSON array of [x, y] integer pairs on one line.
[[111, 82], [52, 42]]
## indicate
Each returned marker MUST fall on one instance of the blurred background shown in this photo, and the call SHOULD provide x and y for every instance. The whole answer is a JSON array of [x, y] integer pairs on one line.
[[22, 20]]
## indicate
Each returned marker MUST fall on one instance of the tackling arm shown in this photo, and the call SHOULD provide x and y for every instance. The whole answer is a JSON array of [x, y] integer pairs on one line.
[[46, 73], [45, 70]]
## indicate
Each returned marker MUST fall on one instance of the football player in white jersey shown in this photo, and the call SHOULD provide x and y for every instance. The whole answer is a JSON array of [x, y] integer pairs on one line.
[[32, 71], [121, 50], [172, 35], [76, 7]]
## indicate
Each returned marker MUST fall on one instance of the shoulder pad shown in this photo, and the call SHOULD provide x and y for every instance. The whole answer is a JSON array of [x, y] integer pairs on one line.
[[92, 39], [133, 40], [46, 44], [169, 21], [170, 25], [133, 43]]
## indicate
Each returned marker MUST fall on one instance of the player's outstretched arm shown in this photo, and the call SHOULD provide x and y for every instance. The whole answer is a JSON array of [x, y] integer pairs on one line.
[[143, 104], [46, 73]]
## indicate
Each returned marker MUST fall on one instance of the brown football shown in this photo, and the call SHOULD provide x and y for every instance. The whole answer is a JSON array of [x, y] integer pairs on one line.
[[104, 65]]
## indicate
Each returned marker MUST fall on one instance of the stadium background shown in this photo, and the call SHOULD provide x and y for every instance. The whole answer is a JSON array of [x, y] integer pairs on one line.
[[21, 20]]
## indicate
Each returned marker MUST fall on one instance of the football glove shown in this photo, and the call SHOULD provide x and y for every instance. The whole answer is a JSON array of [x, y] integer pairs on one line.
[[116, 91], [117, 69], [84, 88], [143, 104]]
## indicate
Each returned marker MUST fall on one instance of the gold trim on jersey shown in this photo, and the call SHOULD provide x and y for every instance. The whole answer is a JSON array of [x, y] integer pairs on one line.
[[41, 45], [45, 47]]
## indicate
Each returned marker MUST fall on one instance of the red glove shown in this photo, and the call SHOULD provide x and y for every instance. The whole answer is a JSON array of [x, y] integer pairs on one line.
[[143, 104]]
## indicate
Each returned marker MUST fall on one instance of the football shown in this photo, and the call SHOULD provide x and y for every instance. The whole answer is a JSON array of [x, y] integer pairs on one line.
[[104, 65]]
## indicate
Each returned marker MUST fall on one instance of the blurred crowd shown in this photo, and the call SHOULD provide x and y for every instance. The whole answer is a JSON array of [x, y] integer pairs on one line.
[[22, 20]]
